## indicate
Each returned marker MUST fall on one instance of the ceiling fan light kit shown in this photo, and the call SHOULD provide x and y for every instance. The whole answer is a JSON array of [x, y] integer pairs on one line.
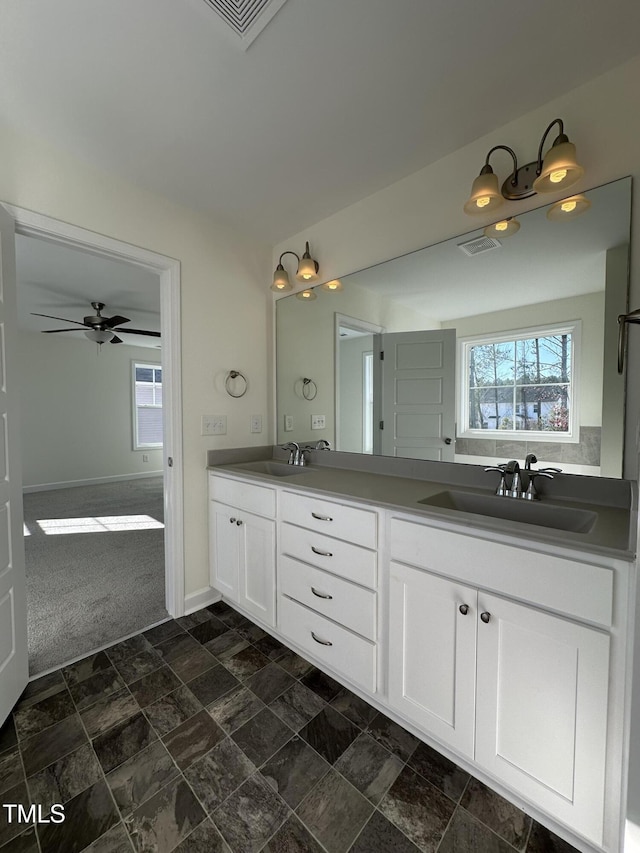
[[101, 329]]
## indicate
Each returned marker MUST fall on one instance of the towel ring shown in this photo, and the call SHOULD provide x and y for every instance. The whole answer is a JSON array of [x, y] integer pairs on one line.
[[228, 382], [309, 389]]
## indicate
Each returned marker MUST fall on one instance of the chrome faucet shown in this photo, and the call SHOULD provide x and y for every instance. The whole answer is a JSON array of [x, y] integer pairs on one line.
[[322, 444], [295, 456], [516, 488]]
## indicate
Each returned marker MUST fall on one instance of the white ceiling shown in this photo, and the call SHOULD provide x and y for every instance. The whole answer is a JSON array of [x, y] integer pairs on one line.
[[334, 100], [63, 282]]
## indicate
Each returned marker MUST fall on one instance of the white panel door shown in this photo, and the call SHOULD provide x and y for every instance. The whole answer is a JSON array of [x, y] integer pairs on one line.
[[224, 548], [418, 394], [542, 709], [14, 665], [257, 582], [432, 655]]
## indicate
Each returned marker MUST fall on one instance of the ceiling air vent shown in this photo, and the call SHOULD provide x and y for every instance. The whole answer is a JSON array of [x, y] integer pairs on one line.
[[479, 245], [246, 18]]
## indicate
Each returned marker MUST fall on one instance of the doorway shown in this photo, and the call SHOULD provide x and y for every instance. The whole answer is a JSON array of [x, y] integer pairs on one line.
[[136, 504]]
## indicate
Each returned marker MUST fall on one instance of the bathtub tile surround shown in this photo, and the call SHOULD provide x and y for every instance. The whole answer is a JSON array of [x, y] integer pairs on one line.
[[235, 745]]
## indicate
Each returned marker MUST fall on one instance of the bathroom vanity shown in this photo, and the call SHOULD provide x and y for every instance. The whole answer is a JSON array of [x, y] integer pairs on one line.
[[503, 643]]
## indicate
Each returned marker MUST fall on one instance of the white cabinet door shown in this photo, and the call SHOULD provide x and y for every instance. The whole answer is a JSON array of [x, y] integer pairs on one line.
[[224, 553], [432, 637], [541, 714], [257, 576]]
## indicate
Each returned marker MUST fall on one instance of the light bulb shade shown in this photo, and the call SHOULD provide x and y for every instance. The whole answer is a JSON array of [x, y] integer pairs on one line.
[[568, 208], [485, 193], [332, 286], [503, 228], [99, 336], [281, 281], [307, 268], [306, 295], [560, 169]]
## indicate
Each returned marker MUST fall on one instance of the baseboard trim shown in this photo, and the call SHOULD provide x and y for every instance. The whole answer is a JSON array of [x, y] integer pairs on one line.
[[200, 598], [95, 481]]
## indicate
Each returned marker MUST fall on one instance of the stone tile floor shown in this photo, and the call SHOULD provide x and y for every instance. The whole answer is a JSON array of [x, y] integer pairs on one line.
[[206, 735]]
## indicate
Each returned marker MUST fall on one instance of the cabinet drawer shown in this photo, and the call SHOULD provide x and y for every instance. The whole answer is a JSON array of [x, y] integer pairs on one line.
[[568, 586], [257, 499], [341, 650], [350, 605], [348, 561], [359, 526]]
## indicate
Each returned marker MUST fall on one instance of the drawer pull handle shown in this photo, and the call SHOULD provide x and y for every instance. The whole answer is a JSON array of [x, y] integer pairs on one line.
[[238, 522], [232, 521], [486, 616], [321, 553], [322, 642], [464, 609], [320, 594], [321, 517]]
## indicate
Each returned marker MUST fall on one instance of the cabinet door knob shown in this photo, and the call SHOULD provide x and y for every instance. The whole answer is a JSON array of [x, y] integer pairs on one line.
[[322, 642], [321, 517], [486, 616], [321, 594], [321, 553], [464, 609], [232, 521], [238, 522]]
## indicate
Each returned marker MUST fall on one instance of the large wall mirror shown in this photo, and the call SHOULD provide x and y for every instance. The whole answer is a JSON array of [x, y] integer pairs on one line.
[[473, 350]]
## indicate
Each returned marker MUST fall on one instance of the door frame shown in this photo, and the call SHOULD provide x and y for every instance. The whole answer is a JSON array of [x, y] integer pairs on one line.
[[31, 224]]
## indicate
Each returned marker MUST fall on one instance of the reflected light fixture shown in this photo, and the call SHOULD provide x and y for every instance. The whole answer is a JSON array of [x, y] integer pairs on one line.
[[99, 336], [307, 271], [558, 170], [306, 295], [568, 208], [503, 228], [332, 286]]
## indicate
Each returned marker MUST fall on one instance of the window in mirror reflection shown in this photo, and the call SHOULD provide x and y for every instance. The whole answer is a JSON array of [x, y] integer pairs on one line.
[[521, 382]]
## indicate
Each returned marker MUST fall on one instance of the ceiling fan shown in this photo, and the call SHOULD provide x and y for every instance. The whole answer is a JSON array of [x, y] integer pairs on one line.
[[101, 329]]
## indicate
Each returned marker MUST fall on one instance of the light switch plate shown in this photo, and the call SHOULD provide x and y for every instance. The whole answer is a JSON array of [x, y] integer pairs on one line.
[[214, 425], [256, 423], [288, 423], [317, 421]]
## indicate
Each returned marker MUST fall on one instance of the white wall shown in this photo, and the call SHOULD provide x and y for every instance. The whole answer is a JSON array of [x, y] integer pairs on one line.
[[225, 281], [75, 407], [426, 207], [351, 387]]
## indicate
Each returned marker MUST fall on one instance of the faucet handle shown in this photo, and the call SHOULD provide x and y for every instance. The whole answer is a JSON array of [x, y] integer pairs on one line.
[[549, 471], [531, 494], [502, 486]]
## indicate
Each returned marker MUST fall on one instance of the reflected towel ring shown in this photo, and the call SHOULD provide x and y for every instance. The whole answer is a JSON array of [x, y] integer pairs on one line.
[[235, 374], [309, 389]]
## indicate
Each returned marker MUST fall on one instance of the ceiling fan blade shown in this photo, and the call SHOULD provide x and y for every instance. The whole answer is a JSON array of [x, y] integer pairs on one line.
[[64, 319], [110, 322], [115, 340], [53, 331], [137, 332]]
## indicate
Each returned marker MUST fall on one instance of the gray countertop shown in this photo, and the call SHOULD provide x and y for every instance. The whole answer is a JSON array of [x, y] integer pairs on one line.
[[612, 535]]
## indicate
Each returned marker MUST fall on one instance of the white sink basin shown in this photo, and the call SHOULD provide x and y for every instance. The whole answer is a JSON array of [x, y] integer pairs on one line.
[[571, 519], [274, 469]]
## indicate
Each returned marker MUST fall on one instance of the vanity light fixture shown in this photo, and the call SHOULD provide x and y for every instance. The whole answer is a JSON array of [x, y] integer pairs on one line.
[[568, 208], [503, 228], [306, 295], [307, 271], [332, 286], [558, 170]]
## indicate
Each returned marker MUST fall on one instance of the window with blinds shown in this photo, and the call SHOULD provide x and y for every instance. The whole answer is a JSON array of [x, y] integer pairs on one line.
[[147, 406]]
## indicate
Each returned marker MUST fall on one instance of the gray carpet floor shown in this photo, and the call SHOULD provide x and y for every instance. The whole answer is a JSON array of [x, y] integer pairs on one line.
[[88, 589]]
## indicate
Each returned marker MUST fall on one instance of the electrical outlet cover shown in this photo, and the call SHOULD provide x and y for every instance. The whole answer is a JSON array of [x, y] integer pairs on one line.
[[288, 423], [317, 421], [256, 423]]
